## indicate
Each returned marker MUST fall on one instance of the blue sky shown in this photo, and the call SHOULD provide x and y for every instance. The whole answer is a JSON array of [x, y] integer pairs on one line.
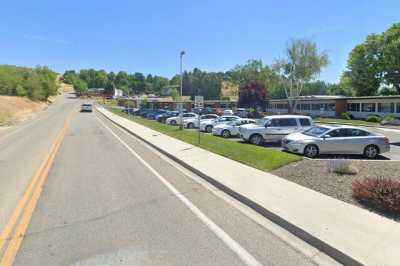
[[146, 36]]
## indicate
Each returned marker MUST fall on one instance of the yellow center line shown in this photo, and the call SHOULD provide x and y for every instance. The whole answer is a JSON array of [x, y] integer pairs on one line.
[[36, 186]]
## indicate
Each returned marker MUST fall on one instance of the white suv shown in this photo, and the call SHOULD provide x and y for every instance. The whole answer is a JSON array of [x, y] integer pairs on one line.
[[273, 128]]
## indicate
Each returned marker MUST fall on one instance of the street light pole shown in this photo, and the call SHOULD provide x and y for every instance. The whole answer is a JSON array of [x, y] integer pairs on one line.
[[181, 102]]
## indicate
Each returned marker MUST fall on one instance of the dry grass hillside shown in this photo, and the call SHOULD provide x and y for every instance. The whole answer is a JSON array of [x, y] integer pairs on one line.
[[14, 109]]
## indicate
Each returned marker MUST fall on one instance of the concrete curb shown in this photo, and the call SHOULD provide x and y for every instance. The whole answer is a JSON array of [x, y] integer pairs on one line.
[[297, 231]]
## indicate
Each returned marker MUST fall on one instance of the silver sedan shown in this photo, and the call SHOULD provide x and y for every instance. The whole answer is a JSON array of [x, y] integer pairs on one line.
[[335, 139]]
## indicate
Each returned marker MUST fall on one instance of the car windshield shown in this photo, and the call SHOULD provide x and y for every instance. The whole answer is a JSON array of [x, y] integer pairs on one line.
[[315, 131], [262, 121]]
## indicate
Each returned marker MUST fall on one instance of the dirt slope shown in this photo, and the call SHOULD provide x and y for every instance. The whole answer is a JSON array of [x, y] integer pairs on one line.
[[14, 109]]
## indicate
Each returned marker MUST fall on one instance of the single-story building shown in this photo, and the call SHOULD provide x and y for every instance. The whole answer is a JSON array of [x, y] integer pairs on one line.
[[333, 106]]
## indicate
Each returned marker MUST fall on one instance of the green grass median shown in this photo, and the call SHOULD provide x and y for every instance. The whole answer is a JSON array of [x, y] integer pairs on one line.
[[255, 156]]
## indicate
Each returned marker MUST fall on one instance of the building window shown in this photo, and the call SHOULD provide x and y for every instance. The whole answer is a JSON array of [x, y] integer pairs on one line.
[[305, 106], [398, 108], [368, 107], [282, 106], [317, 106], [386, 107], [353, 107], [330, 107]]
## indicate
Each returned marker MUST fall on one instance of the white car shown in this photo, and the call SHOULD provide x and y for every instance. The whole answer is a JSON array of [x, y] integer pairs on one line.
[[273, 128], [176, 120], [208, 125], [87, 107], [231, 129], [228, 112], [194, 122]]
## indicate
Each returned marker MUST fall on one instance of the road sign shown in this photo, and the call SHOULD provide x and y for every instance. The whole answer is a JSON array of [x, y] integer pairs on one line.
[[198, 101]]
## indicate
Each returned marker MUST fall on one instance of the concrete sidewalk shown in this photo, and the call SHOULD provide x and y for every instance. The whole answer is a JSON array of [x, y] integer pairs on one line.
[[347, 233]]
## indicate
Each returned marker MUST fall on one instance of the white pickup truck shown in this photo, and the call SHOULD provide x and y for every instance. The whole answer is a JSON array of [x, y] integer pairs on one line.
[[273, 128]]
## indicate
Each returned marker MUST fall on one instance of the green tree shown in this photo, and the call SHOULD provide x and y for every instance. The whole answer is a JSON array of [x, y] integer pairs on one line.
[[302, 64], [364, 67], [80, 86], [390, 57], [174, 94]]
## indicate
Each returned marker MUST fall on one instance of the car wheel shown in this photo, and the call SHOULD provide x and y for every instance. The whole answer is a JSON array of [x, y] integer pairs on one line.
[[311, 151], [226, 134], [190, 125], [209, 128], [371, 151], [173, 122], [256, 139]]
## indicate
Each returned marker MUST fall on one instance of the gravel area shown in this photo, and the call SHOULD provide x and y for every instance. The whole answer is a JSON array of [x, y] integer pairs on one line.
[[315, 174]]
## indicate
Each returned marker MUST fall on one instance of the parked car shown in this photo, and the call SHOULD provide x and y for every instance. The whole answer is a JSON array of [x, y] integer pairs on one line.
[[143, 112], [176, 120], [86, 107], [242, 112], [336, 139], [207, 125], [130, 110], [273, 128], [152, 115], [163, 117], [227, 112], [194, 122], [231, 129]]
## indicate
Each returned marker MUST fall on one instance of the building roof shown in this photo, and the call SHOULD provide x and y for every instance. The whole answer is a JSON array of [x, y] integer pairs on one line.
[[338, 97]]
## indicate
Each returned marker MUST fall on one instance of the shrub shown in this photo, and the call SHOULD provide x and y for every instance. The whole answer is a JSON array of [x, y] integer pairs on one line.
[[346, 116], [373, 118], [390, 120], [381, 193], [341, 167]]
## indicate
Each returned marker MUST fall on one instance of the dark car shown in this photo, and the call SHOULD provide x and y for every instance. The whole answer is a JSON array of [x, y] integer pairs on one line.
[[130, 110], [153, 114], [162, 117], [143, 112]]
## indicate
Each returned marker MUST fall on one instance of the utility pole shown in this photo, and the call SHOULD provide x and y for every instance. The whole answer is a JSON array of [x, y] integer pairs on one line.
[[181, 103]]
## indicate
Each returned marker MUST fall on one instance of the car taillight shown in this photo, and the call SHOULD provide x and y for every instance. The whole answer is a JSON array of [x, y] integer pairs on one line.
[[386, 140]]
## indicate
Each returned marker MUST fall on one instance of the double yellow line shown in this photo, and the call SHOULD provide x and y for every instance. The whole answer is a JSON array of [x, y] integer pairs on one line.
[[28, 202]]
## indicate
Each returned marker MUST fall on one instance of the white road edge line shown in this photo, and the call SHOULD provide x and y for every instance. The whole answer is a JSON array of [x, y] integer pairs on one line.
[[293, 241], [243, 254]]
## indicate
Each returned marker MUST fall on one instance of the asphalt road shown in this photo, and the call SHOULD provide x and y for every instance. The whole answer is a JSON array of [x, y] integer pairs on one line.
[[111, 200]]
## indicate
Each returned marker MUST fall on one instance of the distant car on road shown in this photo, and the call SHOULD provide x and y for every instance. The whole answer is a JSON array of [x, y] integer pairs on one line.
[[231, 129], [207, 125], [194, 122], [273, 128], [87, 107], [336, 139]]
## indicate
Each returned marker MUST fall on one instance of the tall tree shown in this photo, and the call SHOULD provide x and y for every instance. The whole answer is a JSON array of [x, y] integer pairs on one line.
[[302, 64], [390, 63], [364, 67]]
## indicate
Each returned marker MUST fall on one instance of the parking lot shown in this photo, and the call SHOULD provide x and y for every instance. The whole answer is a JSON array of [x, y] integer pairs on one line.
[[392, 134]]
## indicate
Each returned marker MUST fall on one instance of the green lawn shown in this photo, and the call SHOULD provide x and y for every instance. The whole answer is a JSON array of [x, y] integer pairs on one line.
[[255, 156], [354, 122]]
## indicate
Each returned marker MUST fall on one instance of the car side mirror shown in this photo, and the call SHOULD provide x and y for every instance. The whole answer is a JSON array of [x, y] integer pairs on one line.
[[327, 136], [266, 125]]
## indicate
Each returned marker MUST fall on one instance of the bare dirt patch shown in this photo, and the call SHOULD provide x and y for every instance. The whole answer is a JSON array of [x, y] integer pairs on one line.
[[14, 109], [315, 174]]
